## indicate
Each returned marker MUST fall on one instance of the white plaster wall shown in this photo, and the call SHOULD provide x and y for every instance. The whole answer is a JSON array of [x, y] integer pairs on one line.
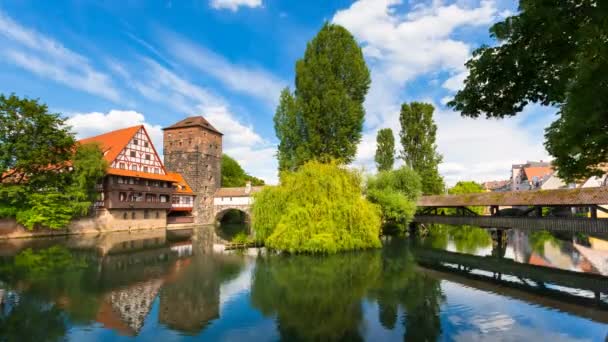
[[232, 200]]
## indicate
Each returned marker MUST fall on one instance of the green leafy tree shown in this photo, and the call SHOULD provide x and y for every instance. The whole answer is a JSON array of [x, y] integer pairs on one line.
[[467, 187], [48, 179], [323, 118], [34, 144], [385, 150], [396, 192], [418, 135], [552, 53], [233, 174], [317, 209]]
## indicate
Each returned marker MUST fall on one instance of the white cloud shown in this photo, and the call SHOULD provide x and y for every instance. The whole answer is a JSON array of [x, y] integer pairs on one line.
[[95, 123], [48, 58], [234, 5], [415, 43], [245, 79]]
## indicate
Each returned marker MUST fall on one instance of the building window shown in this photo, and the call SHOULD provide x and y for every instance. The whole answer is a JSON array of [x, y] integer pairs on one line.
[[157, 214], [134, 141], [180, 143], [175, 200], [150, 198], [164, 198], [133, 215], [187, 199], [145, 169], [146, 144], [134, 167], [133, 154], [124, 216], [147, 157], [156, 170], [122, 166], [146, 214], [122, 196]]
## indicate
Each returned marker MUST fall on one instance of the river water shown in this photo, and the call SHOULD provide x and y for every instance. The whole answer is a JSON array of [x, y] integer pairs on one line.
[[455, 283]]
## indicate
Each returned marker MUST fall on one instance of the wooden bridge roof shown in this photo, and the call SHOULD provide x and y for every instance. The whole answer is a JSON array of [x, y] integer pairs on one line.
[[566, 197]]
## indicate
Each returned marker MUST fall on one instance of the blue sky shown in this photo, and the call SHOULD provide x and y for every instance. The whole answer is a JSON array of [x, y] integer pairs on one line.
[[113, 64]]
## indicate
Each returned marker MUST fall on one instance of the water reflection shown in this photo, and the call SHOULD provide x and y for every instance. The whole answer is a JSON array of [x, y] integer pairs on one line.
[[452, 283]]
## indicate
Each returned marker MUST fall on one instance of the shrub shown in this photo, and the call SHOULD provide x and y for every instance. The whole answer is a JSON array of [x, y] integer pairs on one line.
[[396, 192], [317, 209]]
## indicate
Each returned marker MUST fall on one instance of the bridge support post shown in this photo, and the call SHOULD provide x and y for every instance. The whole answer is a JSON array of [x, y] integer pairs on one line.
[[593, 211]]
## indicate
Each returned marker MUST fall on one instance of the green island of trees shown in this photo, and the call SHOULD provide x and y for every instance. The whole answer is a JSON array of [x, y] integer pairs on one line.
[[317, 209], [47, 177]]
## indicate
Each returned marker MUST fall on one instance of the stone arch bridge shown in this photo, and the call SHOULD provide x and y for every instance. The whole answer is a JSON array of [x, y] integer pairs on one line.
[[240, 199]]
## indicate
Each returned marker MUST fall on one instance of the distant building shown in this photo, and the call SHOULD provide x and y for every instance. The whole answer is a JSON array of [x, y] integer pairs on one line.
[[497, 186], [530, 175]]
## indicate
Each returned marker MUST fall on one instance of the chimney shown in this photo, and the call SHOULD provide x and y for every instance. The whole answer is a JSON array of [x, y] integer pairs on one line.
[[248, 187]]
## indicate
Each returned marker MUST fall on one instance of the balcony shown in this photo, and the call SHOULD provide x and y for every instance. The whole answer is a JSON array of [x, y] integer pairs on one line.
[[140, 188]]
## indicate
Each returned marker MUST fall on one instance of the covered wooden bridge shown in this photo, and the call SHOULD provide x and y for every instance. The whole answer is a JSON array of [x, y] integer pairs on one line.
[[530, 206]]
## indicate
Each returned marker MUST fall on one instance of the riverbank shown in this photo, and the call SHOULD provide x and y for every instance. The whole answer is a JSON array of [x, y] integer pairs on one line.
[[10, 229]]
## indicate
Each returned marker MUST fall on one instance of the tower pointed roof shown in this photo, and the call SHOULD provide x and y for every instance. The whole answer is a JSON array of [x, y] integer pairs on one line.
[[193, 121]]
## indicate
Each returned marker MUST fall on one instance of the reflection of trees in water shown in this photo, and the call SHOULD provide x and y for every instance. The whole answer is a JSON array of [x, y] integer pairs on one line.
[[319, 298], [467, 239], [189, 302], [402, 286], [33, 320], [315, 298], [58, 275]]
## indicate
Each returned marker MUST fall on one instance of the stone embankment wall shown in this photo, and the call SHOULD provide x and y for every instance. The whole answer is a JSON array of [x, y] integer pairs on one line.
[[104, 221]]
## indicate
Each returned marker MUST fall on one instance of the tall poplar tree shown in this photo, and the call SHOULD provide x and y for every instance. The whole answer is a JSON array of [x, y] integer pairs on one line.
[[385, 149], [323, 118], [418, 135]]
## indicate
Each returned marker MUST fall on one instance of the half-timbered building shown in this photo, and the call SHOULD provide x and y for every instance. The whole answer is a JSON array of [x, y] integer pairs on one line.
[[137, 185]]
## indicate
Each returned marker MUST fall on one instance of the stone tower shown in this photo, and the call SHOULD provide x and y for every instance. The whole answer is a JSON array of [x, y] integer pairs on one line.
[[193, 147]]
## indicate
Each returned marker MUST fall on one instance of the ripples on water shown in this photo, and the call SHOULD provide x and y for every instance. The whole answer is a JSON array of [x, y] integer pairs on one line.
[[451, 284]]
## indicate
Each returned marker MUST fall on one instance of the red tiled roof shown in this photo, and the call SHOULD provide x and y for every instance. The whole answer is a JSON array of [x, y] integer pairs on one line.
[[495, 184], [193, 121], [537, 171], [182, 185], [113, 142]]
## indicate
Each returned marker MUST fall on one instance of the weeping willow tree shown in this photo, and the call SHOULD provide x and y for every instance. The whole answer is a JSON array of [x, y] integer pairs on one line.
[[317, 209]]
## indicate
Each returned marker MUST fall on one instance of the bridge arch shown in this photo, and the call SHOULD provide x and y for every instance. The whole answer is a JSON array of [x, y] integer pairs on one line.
[[221, 212]]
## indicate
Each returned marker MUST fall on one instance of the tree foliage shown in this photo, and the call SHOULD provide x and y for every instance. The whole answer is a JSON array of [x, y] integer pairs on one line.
[[317, 209], [553, 53], [396, 192], [48, 179], [418, 135], [323, 118], [467, 187], [385, 149], [233, 174]]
